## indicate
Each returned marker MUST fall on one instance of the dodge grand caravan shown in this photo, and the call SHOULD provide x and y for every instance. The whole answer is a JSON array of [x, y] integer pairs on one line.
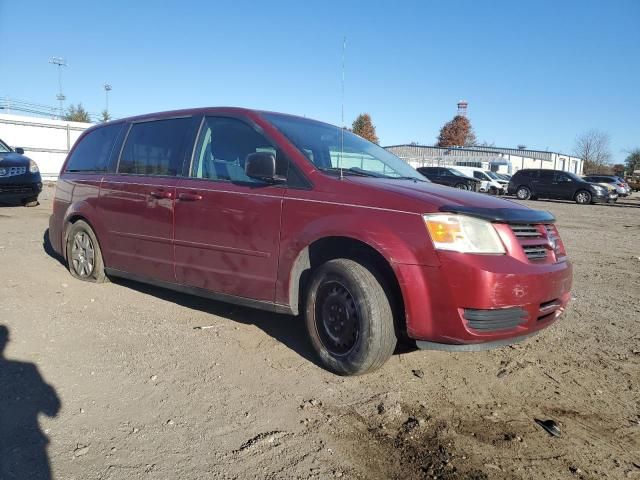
[[297, 216]]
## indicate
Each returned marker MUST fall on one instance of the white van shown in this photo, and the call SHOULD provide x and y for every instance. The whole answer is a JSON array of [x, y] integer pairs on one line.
[[490, 181]]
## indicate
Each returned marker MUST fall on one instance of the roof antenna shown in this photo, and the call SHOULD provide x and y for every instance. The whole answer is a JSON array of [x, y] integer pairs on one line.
[[344, 47]]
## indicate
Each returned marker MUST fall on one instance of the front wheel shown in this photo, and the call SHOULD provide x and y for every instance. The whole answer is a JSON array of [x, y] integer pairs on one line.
[[30, 202], [583, 197], [523, 193], [461, 186], [349, 318], [84, 257]]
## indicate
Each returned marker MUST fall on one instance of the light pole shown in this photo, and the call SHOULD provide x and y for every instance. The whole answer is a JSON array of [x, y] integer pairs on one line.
[[107, 89], [60, 62]]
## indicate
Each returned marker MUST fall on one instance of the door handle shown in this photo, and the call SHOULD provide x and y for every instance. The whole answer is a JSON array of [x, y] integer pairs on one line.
[[161, 194], [189, 197]]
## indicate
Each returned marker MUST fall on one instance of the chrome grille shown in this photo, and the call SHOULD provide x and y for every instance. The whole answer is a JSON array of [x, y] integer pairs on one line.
[[527, 234], [525, 231], [535, 252], [12, 171]]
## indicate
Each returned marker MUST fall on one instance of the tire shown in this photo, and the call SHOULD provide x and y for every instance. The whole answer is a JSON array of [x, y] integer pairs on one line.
[[583, 197], [461, 186], [349, 318], [84, 257], [523, 193], [30, 202]]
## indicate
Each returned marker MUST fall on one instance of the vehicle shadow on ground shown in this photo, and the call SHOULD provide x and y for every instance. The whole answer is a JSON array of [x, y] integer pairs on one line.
[[46, 245], [289, 330], [286, 329], [23, 396]]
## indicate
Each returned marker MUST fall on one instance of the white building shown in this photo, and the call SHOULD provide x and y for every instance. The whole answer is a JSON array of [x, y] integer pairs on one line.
[[45, 141], [502, 160]]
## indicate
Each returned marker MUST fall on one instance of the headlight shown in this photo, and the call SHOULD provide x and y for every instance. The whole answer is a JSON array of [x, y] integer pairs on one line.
[[33, 166], [460, 233]]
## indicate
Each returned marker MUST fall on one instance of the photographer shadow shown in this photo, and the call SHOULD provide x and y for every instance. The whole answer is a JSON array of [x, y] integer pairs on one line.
[[23, 396]]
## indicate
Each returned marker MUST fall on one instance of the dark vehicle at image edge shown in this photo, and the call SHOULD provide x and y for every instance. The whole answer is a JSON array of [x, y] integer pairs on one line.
[[296, 216], [540, 183], [20, 179], [450, 177]]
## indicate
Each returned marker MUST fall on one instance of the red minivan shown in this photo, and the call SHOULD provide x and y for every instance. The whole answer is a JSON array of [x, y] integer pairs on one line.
[[296, 216]]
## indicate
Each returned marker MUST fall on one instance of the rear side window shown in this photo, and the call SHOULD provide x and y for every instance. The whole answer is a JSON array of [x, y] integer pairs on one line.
[[94, 150], [155, 147], [547, 175], [528, 173]]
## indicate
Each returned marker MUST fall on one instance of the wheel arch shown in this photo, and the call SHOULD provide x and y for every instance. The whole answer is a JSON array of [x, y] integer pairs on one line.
[[340, 246], [71, 219]]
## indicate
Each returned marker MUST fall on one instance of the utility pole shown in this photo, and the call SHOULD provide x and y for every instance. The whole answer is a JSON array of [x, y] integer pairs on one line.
[[107, 89], [60, 62]]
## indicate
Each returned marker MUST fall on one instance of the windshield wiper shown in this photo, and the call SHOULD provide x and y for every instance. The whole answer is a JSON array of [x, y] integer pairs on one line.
[[408, 178], [354, 171]]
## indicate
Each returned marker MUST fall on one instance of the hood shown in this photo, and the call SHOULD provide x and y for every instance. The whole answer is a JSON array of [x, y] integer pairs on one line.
[[12, 159], [423, 197]]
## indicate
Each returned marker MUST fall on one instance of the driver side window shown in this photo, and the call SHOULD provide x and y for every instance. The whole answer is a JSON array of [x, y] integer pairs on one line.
[[222, 150]]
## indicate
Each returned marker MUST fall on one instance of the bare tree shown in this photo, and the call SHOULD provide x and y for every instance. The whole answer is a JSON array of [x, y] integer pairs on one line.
[[593, 147]]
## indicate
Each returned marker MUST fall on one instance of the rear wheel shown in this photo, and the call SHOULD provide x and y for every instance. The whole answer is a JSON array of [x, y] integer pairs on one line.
[[523, 193], [84, 257], [349, 318], [583, 197]]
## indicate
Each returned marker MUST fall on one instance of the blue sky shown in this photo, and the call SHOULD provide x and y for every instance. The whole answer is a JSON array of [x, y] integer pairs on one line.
[[537, 73]]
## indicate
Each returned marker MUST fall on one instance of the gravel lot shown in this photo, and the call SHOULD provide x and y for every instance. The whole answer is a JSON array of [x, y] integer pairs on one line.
[[154, 384]]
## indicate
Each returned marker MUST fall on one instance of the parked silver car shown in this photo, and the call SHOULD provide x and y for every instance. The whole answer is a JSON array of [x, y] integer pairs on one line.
[[618, 183]]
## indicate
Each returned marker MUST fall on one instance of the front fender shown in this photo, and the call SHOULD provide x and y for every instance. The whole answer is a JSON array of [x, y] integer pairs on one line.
[[400, 237]]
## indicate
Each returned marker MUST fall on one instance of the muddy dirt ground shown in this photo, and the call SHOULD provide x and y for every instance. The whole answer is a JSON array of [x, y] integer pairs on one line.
[[144, 392]]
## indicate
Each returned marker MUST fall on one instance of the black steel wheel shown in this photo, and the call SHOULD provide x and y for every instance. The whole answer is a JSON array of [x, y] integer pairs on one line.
[[337, 317], [349, 317]]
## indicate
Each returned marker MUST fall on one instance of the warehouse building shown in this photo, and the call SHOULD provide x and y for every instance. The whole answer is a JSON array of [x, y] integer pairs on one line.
[[496, 159], [44, 140]]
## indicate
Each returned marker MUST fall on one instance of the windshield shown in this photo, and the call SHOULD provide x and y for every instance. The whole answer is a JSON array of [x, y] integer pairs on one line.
[[4, 148], [331, 149], [492, 175], [457, 173], [573, 176]]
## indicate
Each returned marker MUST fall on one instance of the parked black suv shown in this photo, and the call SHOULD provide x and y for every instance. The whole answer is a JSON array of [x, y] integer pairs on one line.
[[19, 177], [538, 183], [450, 177]]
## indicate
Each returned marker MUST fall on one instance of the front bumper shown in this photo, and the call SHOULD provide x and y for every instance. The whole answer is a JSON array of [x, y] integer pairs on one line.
[[438, 299], [15, 188], [604, 197]]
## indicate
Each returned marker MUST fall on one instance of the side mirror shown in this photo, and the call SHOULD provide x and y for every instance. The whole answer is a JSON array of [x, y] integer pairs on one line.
[[262, 166], [20, 150]]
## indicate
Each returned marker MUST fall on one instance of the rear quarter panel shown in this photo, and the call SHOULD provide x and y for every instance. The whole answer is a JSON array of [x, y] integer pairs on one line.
[[76, 197]]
